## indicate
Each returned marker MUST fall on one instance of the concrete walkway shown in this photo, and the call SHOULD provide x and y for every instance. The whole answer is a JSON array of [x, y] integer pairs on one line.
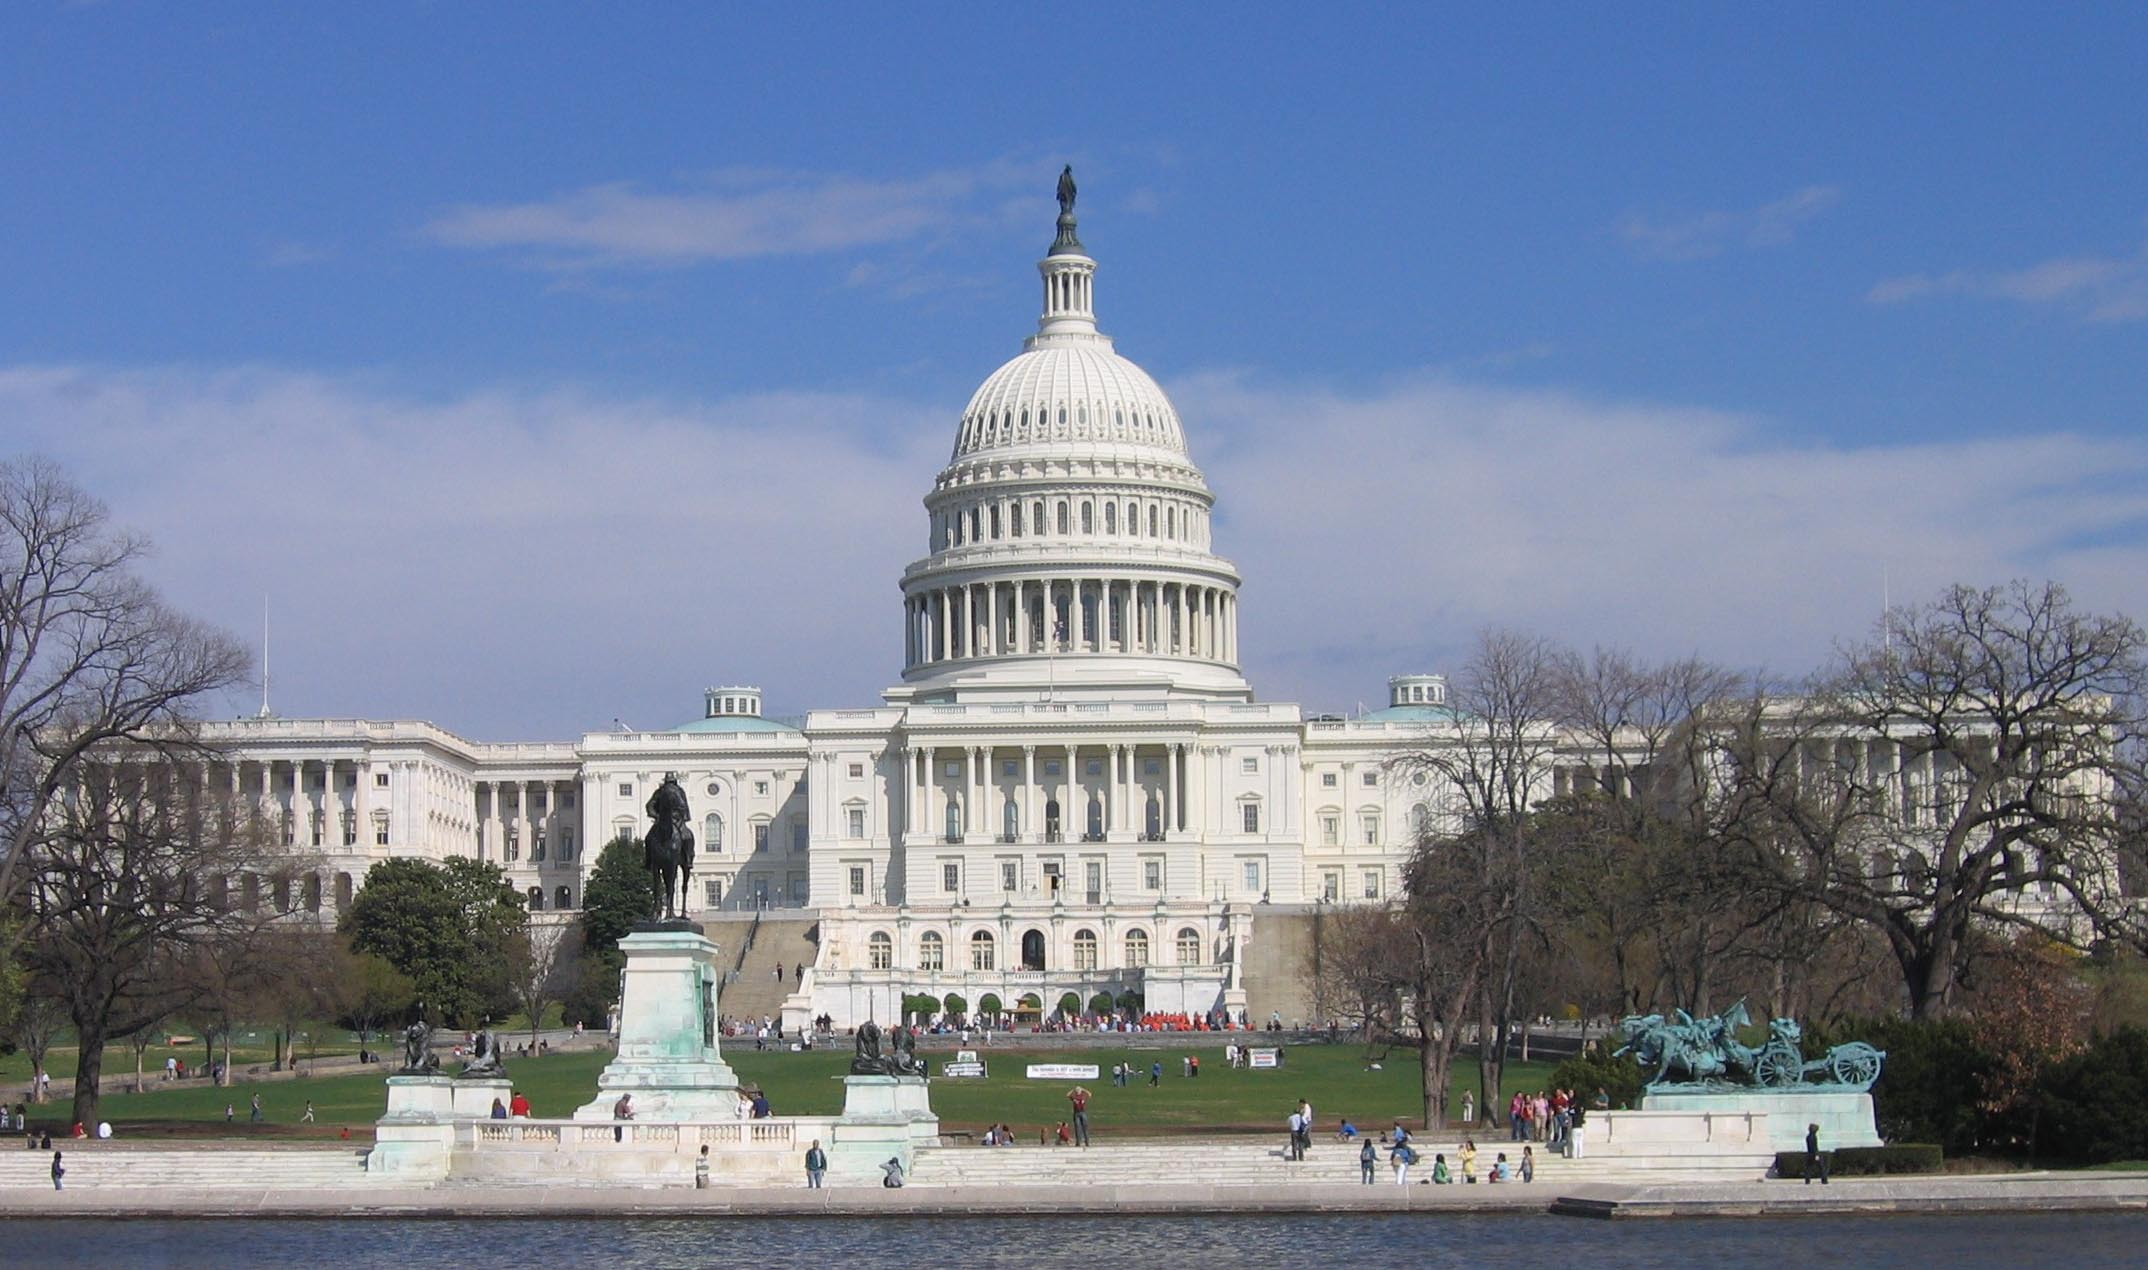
[[2018, 1193]]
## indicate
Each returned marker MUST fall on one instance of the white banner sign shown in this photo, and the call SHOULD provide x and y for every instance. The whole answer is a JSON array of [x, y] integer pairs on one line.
[[1061, 1071], [1264, 1058], [960, 1069]]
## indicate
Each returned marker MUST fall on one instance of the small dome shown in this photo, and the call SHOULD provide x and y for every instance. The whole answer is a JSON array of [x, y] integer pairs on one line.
[[1072, 392]]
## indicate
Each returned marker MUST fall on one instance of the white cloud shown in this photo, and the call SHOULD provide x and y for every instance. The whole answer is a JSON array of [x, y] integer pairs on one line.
[[531, 563], [732, 215], [2099, 288], [1698, 235]]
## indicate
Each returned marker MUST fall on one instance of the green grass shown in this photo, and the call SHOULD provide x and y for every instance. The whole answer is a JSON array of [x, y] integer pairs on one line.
[[1334, 1078]]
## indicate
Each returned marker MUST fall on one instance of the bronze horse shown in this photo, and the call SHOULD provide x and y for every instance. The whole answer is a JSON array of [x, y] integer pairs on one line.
[[667, 851]]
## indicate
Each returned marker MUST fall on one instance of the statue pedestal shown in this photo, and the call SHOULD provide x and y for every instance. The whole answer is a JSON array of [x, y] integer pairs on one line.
[[668, 1058], [883, 1117], [413, 1140], [1845, 1116]]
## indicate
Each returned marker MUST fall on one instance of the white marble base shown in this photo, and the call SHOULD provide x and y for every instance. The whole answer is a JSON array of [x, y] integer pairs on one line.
[[668, 1057], [1845, 1117], [414, 1139]]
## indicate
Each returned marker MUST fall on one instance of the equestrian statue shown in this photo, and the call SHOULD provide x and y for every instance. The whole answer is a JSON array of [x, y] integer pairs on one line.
[[667, 851]]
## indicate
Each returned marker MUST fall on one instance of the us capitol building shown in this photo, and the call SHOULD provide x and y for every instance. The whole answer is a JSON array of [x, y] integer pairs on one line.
[[1071, 791]]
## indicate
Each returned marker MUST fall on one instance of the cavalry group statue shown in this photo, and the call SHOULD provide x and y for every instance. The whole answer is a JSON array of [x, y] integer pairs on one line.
[[1706, 1052], [667, 851], [900, 1060]]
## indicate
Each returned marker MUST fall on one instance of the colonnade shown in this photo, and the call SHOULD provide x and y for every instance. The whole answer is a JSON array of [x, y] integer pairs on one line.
[[1071, 615], [1121, 788]]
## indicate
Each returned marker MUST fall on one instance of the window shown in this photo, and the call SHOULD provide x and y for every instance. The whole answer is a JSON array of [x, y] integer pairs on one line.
[[1330, 830], [857, 822], [626, 789], [931, 951], [712, 892], [1137, 949], [1189, 947], [714, 789], [566, 844], [1152, 874], [951, 770], [1096, 819], [981, 950], [1010, 876], [1372, 780], [562, 897], [536, 899], [1010, 822], [1152, 820], [1249, 765], [1085, 950], [857, 771], [954, 821], [1372, 884], [857, 880], [760, 835], [880, 951], [1051, 767], [712, 833], [1252, 875], [1420, 820], [760, 787], [801, 834], [1369, 828], [950, 878], [1331, 887], [380, 780], [1328, 780], [1007, 768], [1250, 813]]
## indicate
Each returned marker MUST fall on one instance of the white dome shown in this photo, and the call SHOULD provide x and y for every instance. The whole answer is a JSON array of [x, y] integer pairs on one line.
[[1069, 392]]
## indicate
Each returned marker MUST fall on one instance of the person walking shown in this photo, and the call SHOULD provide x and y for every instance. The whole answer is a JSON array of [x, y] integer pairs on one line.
[[1528, 1165], [1155, 1074], [1296, 1149], [255, 1114], [308, 1117], [59, 1171], [1813, 1158], [1400, 1156], [1577, 1132], [1367, 1157], [1469, 1106], [701, 1168], [1079, 1097], [816, 1165]]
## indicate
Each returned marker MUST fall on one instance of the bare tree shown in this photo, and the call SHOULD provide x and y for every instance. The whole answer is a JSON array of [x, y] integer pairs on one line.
[[88, 654], [539, 958], [1493, 760], [366, 990], [1968, 768], [130, 876], [35, 1027]]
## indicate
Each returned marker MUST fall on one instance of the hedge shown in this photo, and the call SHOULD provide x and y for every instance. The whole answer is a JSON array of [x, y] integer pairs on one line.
[[1905, 1157]]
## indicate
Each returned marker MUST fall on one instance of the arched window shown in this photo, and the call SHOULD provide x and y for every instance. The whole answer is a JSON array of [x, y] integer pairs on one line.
[[931, 951], [562, 897], [1014, 519], [1096, 819], [1170, 522], [537, 847], [880, 951], [712, 833], [311, 889], [1085, 950], [536, 899], [1133, 518], [995, 521], [1154, 819], [1152, 520], [1063, 516], [1189, 947], [981, 950], [954, 821], [1137, 949], [1036, 516], [1111, 518], [976, 524], [343, 891], [1010, 822], [1420, 820], [1051, 820]]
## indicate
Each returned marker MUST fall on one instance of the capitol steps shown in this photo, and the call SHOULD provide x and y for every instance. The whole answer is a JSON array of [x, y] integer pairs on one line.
[[779, 944], [99, 1165]]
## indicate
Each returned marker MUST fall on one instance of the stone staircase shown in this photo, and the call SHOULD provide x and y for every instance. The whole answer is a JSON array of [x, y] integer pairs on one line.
[[93, 1165], [779, 943], [1225, 1162]]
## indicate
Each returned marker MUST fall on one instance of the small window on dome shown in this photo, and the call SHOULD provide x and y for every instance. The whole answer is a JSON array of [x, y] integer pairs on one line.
[[1111, 518], [1118, 418], [1081, 415], [1062, 416]]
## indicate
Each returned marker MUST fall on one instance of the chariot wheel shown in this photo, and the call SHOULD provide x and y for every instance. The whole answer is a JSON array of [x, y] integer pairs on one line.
[[1777, 1067], [1856, 1064]]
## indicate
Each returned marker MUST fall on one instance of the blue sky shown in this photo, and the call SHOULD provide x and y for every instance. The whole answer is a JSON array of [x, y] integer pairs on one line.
[[1674, 328]]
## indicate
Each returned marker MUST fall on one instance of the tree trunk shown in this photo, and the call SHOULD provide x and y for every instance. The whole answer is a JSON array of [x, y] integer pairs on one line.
[[1434, 1068], [89, 1068], [223, 1074], [1487, 1059]]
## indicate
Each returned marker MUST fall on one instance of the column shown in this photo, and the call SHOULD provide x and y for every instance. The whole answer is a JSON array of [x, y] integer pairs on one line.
[[1076, 619], [1169, 820], [992, 644], [1031, 812]]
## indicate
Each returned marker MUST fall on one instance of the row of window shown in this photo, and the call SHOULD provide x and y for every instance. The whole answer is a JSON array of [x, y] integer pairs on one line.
[[1331, 884], [932, 950], [1004, 427], [987, 523]]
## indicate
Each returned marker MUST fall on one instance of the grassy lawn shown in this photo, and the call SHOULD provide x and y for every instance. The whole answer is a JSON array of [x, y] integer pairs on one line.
[[1334, 1078]]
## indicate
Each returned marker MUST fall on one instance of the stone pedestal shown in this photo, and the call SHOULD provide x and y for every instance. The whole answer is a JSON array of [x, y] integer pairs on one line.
[[473, 1095], [1845, 1116], [668, 1058], [883, 1117], [413, 1140]]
